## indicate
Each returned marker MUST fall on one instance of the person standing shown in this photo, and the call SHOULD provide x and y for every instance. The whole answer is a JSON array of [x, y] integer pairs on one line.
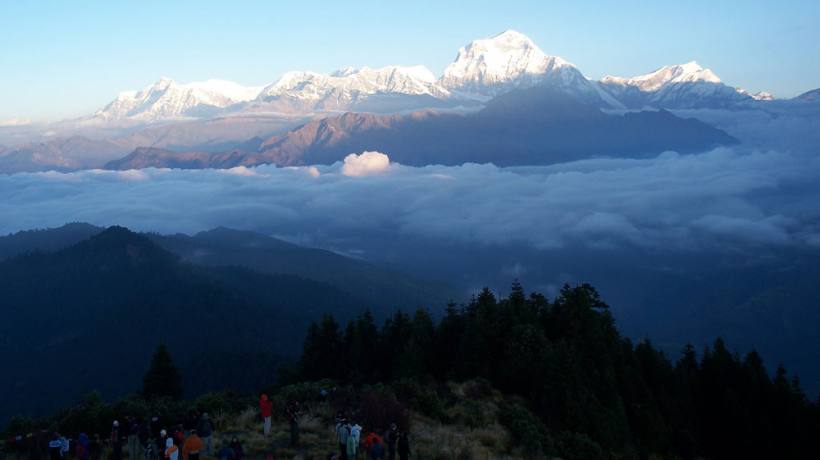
[[133, 437], [356, 434], [265, 406], [293, 421], [55, 447], [377, 449], [193, 446], [96, 447], [64, 448], [226, 453], [352, 447], [206, 431], [237, 448], [404, 446], [391, 438], [83, 448], [116, 441], [171, 451], [342, 433]]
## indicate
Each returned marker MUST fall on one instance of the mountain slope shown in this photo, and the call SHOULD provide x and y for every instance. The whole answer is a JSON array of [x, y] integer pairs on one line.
[[46, 240], [377, 286], [535, 126], [102, 305], [64, 154], [809, 96], [381, 287]]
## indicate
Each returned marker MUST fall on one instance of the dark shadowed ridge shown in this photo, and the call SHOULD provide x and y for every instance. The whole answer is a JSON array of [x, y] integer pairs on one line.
[[93, 312], [377, 284], [45, 240], [225, 247]]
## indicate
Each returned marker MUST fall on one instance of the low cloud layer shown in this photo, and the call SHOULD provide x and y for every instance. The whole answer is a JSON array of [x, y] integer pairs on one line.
[[722, 198]]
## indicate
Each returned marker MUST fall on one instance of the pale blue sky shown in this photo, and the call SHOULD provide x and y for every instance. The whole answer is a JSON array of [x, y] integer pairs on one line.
[[61, 59]]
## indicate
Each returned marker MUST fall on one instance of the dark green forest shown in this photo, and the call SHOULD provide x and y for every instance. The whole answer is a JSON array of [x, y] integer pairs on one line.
[[584, 387]]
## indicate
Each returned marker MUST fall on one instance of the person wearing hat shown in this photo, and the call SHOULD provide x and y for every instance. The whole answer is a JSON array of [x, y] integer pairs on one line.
[[116, 441]]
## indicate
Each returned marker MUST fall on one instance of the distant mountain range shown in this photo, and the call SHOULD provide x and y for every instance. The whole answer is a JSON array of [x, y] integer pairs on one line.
[[483, 69], [212, 119], [533, 126]]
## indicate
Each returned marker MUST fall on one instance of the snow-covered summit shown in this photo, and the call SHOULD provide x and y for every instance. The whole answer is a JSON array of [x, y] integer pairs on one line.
[[350, 84], [506, 61], [691, 72], [686, 85], [169, 99]]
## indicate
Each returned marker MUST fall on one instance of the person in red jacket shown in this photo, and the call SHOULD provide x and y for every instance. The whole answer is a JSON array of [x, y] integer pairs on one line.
[[266, 406]]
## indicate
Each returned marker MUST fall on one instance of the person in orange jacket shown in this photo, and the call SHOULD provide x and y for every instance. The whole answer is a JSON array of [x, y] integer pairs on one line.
[[193, 446], [266, 406]]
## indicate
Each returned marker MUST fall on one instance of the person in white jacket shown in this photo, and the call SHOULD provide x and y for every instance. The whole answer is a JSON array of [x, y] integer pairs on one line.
[[171, 451]]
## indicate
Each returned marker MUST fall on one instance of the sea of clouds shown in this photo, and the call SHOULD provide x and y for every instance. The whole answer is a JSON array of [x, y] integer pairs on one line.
[[720, 198]]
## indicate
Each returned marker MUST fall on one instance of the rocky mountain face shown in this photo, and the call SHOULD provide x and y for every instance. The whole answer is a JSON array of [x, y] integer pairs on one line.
[[534, 126]]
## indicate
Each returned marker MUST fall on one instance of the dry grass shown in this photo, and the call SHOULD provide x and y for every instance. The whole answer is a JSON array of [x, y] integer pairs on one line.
[[433, 440]]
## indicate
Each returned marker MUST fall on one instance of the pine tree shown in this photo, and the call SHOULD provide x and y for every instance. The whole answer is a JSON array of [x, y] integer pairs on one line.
[[162, 378]]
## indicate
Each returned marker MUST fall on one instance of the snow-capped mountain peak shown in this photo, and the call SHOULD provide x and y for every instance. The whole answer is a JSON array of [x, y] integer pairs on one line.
[[169, 99], [510, 60], [349, 84], [686, 85], [758, 96], [482, 69], [690, 72]]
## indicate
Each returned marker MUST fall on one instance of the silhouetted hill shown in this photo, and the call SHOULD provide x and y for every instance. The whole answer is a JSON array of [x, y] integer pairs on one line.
[[90, 315], [45, 240], [381, 287]]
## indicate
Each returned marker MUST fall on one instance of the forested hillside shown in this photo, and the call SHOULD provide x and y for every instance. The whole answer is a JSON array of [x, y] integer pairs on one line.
[[585, 391]]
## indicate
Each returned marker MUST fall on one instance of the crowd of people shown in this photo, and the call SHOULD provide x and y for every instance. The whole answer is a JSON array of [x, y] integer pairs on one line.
[[150, 439], [391, 444], [153, 439]]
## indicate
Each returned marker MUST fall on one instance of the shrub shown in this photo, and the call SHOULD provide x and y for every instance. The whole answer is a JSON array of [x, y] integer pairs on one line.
[[577, 446], [526, 430], [479, 388], [380, 407], [471, 414]]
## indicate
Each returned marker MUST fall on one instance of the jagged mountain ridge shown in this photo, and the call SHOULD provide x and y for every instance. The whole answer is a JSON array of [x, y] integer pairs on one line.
[[532, 126], [482, 69]]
